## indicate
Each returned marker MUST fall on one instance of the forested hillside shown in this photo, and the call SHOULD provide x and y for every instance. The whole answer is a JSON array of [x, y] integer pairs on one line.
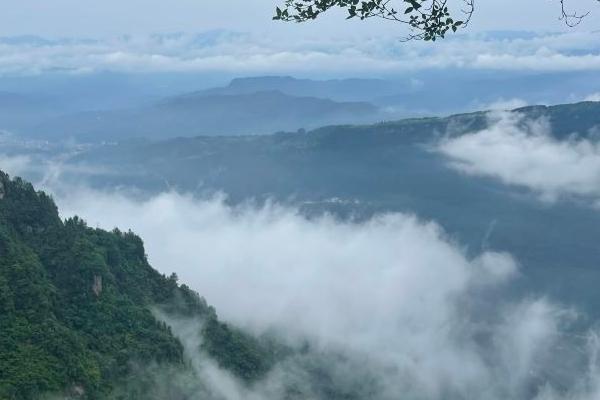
[[76, 315]]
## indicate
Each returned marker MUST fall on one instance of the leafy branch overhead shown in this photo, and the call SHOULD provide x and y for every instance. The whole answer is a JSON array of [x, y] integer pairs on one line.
[[427, 19]]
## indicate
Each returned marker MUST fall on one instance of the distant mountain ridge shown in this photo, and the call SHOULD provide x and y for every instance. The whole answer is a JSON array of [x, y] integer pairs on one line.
[[76, 101], [311, 164], [358, 171], [258, 105], [349, 89], [202, 113]]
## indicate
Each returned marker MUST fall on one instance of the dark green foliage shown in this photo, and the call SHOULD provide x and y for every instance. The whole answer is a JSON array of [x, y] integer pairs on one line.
[[75, 307], [428, 19], [237, 351]]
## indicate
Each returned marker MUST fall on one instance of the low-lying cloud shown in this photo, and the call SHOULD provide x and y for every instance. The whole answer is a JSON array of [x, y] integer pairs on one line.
[[501, 105], [245, 53], [593, 97], [524, 153], [398, 297], [395, 294]]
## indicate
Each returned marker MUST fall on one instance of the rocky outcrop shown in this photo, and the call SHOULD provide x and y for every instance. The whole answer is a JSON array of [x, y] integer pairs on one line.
[[97, 285]]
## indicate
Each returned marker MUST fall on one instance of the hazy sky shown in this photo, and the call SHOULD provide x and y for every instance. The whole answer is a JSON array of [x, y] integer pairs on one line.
[[238, 37], [113, 17]]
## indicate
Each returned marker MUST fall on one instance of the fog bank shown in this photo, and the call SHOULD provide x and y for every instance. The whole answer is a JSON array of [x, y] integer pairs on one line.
[[524, 153], [395, 294]]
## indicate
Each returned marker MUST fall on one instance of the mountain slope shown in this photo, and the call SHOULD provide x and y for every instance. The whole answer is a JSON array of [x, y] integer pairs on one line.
[[75, 309], [17, 110], [335, 89], [203, 114], [358, 171]]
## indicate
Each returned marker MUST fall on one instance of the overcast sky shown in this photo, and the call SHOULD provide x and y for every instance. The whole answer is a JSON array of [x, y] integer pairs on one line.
[[248, 42], [93, 18]]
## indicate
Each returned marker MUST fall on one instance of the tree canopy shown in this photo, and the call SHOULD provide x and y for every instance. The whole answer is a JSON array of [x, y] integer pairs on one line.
[[427, 19], [76, 316]]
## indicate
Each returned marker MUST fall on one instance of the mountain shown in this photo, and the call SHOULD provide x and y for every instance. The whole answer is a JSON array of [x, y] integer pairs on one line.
[[460, 90], [17, 110], [110, 106], [359, 171], [410, 95], [83, 313], [207, 114], [355, 89], [78, 312], [90, 105]]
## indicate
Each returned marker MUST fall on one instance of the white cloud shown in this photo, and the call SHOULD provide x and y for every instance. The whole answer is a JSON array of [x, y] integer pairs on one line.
[[46, 169], [523, 153], [255, 53], [71, 17], [593, 97], [394, 293], [15, 165], [502, 105]]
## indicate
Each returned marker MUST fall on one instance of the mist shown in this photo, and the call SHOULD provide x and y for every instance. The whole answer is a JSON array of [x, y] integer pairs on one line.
[[395, 295], [524, 153], [391, 306]]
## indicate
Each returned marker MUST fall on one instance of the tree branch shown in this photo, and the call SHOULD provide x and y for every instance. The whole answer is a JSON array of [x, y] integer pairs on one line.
[[426, 19]]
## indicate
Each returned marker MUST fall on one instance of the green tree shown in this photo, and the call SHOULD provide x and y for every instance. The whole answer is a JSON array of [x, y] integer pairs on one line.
[[76, 316]]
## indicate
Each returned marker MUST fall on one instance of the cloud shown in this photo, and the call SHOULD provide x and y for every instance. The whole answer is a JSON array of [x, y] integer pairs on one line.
[[246, 53], [15, 165], [502, 105], [524, 153], [48, 168], [593, 97], [392, 299], [395, 294]]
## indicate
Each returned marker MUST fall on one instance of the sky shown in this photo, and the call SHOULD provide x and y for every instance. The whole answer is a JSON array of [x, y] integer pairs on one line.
[[239, 38], [91, 18]]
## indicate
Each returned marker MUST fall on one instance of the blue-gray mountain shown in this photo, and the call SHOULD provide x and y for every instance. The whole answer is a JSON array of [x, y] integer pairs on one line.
[[357, 171], [75, 301], [105, 106], [206, 114]]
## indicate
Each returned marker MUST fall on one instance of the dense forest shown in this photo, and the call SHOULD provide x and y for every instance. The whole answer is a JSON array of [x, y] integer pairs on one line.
[[76, 311]]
